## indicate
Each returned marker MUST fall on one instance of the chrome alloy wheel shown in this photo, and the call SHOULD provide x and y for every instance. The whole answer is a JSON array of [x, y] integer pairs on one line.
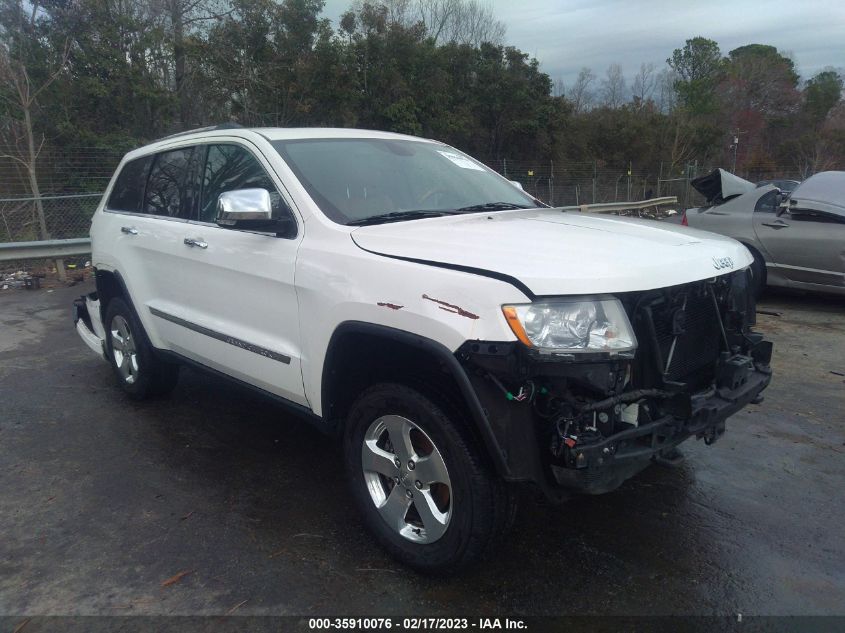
[[407, 479], [123, 349]]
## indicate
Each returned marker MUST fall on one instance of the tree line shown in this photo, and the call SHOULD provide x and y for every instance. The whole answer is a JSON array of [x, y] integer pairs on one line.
[[116, 73]]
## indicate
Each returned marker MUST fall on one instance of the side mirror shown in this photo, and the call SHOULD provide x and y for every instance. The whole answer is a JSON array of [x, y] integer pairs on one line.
[[244, 206], [250, 209], [517, 184]]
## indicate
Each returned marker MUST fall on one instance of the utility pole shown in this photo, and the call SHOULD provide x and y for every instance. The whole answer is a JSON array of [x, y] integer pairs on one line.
[[735, 145], [659, 178]]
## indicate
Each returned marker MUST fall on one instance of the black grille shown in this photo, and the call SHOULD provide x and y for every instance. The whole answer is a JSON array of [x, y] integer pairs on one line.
[[686, 333], [687, 317], [691, 326]]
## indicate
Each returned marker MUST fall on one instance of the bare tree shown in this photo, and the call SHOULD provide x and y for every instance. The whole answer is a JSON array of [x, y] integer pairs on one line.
[[462, 21], [581, 94], [665, 91], [816, 150], [182, 17], [644, 83], [613, 87], [436, 15], [22, 99], [812, 155], [398, 11], [474, 23], [678, 136]]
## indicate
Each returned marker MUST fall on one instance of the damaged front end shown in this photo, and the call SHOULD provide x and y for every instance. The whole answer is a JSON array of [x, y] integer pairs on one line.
[[587, 422], [88, 323]]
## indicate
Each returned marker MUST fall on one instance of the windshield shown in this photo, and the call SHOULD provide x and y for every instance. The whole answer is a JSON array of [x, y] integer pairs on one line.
[[356, 180]]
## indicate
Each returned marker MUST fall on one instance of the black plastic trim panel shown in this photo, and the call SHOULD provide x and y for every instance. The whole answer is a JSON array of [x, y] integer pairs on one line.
[[441, 353]]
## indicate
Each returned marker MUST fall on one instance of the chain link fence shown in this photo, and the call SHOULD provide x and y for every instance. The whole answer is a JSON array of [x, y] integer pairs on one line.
[[65, 217], [61, 170], [71, 180], [557, 184], [576, 183]]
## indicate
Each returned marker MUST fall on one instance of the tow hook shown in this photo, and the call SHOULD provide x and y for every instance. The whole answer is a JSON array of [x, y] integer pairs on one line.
[[671, 458]]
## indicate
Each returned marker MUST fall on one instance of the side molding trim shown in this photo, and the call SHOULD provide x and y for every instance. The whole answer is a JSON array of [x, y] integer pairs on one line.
[[231, 340]]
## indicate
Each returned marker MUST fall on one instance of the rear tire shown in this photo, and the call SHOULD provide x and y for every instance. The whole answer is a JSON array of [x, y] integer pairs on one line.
[[138, 371], [424, 489]]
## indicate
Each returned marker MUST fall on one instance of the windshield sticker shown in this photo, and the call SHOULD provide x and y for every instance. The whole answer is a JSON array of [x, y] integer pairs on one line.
[[460, 161]]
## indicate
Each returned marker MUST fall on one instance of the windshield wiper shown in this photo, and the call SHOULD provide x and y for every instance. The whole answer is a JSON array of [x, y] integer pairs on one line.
[[491, 206], [397, 216]]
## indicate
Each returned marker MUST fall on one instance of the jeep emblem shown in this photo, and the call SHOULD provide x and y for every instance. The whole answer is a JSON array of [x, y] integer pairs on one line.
[[722, 262]]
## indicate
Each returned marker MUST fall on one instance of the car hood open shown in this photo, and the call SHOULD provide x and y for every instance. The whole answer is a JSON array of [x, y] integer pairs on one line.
[[823, 192], [551, 252]]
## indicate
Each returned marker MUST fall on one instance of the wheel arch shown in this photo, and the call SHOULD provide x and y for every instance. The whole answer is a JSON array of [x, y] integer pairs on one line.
[[360, 354], [755, 253], [110, 284]]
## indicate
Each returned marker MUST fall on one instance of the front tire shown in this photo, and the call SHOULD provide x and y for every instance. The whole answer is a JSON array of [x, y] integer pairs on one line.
[[424, 489], [139, 373], [758, 274]]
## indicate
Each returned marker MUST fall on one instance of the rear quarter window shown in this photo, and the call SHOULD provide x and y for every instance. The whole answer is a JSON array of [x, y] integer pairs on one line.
[[768, 203], [128, 191]]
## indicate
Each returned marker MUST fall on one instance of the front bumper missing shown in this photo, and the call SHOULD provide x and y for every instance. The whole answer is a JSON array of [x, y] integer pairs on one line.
[[602, 466], [89, 326]]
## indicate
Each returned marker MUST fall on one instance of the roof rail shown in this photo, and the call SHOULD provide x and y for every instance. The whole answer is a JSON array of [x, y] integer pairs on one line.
[[222, 126]]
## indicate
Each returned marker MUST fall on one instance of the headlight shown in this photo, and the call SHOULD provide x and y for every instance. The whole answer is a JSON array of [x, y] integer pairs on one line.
[[576, 324]]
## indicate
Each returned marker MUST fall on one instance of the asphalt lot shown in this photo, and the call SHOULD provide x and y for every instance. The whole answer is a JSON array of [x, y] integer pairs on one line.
[[103, 499]]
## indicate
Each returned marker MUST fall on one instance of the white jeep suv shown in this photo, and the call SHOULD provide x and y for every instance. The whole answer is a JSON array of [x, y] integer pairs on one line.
[[456, 335]]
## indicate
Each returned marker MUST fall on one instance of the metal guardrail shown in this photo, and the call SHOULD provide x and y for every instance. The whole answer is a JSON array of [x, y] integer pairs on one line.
[[44, 249], [610, 207]]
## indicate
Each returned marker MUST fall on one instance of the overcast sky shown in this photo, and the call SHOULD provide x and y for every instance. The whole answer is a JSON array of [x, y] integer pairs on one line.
[[566, 36]]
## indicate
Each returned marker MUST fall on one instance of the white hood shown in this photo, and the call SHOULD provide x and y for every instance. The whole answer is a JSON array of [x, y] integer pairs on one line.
[[557, 253]]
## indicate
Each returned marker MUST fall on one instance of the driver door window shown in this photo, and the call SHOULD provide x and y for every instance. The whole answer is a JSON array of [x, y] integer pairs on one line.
[[231, 167], [768, 203]]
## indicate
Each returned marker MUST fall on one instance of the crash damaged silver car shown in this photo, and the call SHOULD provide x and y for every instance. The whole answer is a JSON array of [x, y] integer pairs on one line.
[[797, 239]]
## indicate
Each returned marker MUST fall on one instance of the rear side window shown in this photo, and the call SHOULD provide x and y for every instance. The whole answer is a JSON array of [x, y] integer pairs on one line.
[[128, 190], [230, 167], [169, 189]]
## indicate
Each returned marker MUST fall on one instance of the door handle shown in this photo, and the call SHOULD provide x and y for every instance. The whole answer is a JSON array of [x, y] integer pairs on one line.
[[198, 242], [776, 225], [129, 230]]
